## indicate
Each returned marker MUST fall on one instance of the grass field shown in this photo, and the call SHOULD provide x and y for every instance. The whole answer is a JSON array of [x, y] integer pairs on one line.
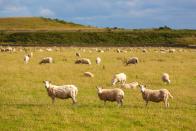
[[25, 105]]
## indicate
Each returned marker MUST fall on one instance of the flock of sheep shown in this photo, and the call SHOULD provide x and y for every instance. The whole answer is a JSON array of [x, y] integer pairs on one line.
[[114, 94]]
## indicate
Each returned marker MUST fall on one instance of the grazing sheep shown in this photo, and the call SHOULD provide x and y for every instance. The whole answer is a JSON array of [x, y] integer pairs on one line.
[[49, 49], [46, 60], [101, 51], [8, 49], [26, 59], [112, 95], [78, 54], [98, 60], [62, 92], [144, 50], [118, 50], [155, 95], [121, 77], [88, 74], [165, 78], [172, 50], [131, 85], [83, 61], [132, 60]]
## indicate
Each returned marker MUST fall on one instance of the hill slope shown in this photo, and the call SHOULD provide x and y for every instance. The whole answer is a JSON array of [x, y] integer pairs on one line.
[[37, 23]]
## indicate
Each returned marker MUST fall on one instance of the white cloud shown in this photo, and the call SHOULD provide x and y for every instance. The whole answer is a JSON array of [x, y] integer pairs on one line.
[[46, 12]]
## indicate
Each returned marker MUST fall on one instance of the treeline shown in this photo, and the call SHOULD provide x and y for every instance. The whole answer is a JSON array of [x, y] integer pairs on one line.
[[104, 38]]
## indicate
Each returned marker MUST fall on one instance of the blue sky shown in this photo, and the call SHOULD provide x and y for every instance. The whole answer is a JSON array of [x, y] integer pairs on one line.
[[108, 13]]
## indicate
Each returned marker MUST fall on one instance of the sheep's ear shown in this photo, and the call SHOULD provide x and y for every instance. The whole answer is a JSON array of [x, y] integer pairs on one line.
[[44, 81]]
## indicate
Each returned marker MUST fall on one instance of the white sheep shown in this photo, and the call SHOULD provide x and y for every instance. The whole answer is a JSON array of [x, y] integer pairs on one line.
[[26, 59], [165, 78], [83, 61], [98, 60], [121, 77], [78, 54], [88, 74], [112, 95], [62, 92], [132, 60], [132, 85], [155, 95], [49, 49], [46, 60]]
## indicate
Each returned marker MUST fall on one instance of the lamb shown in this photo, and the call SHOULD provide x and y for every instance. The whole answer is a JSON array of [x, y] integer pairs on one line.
[[112, 95], [62, 92], [26, 59], [132, 60], [165, 78], [78, 54], [131, 85], [46, 60], [98, 60], [88, 74], [155, 95], [83, 61], [121, 77]]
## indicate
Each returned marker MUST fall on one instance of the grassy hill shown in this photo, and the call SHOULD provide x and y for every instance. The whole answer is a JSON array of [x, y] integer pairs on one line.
[[37, 23], [39, 31]]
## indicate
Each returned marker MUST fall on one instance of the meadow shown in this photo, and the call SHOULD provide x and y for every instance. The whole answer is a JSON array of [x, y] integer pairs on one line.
[[25, 105]]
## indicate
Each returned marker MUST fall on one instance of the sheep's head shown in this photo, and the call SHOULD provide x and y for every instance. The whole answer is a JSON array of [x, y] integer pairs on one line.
[[114, 80], [142, 88], [168, 81], [47, 84], [99, 89]]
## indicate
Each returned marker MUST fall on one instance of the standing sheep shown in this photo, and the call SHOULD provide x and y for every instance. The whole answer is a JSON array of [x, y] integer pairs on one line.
[[83, 61], [46, 60], [111, 95], [155, 95], [62, 92], [98, 60], [121, 77], [132, 60], [26, 59], [165, 78]]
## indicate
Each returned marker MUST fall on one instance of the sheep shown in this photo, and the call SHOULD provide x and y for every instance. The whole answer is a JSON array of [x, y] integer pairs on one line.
[[83, 61], [172, 50], [46, 60], [101, 51], [121, 77], [49, 49], [31, 54], [78, 54], [98, 60], [131, 85], [26, 59], [155, 95], [112, 95], [165, 78], [132, 60], [62, 92], [88, 74]]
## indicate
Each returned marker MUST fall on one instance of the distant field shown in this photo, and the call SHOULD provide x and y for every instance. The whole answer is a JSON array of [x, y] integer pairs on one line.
[[25, 105]]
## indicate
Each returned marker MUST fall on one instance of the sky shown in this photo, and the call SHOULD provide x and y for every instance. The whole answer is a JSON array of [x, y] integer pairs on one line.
[[178, 14]]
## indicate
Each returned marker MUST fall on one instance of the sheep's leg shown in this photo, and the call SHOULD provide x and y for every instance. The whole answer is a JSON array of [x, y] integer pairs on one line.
[[146, 103], [121, 102], [104, 103], [74, 100], [53, 99]]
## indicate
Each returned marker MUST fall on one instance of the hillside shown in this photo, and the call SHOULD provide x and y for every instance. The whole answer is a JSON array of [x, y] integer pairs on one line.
[[37, 23]]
